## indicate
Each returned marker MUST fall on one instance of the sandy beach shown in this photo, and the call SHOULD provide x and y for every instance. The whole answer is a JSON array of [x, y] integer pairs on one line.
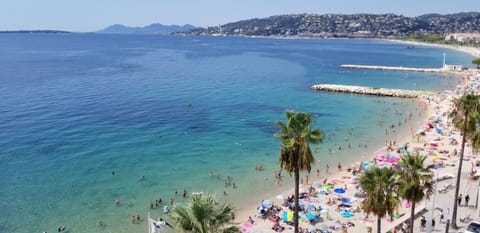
[[470, 50], [435, 137]]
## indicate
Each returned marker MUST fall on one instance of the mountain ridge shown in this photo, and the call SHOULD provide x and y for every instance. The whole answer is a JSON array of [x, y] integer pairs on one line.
[[357, 25], [154, 28]]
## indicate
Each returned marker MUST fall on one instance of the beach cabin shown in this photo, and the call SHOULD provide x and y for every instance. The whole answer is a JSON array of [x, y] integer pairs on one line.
[[451, 67]]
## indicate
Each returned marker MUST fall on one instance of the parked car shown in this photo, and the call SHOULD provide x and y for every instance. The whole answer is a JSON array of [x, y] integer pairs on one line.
[[473, 227]]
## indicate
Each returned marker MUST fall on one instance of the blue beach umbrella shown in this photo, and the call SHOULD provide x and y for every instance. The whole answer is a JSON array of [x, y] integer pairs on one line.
[[310, 216], [347, 214], [339, 190]]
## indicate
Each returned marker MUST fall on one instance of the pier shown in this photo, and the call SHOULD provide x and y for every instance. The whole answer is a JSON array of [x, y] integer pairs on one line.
[[400, 93], [394, 68]]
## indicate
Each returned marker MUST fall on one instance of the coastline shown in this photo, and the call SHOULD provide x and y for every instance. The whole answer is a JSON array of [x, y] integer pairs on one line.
[[247, 210], [428, 112], [468, 50], [240, 154]]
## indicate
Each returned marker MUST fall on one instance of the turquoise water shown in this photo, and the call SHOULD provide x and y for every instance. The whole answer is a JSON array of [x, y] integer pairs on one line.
[[74, 108]]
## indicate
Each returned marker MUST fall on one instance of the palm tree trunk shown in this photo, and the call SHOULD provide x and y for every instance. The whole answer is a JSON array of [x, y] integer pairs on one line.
[[295, 210], [379, 225], [412, 216], [459, 173]]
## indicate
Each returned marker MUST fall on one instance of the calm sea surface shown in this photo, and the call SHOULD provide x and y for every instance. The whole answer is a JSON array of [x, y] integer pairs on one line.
[[74, 108]]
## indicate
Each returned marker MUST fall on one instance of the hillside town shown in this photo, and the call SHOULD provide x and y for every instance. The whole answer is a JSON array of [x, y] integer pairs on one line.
[[343, 25]]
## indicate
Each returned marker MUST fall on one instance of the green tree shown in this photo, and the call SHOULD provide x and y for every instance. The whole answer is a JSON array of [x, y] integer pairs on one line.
[[295, 153], [476, 62], [465, 117], [417, 183], [204, 215], [382, 197]]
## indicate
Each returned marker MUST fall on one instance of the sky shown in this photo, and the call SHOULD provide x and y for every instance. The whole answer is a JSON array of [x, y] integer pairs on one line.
[[93, 15]]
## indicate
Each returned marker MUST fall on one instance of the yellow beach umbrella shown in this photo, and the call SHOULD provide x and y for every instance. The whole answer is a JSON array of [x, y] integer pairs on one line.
[[289, 216]]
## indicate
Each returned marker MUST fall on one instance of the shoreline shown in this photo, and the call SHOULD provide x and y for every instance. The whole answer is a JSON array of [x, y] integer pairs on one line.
[[246, 210], [465, 49], [428, 112]]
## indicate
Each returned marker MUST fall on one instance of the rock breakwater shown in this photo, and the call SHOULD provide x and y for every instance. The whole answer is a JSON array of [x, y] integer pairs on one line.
[[400, 93]]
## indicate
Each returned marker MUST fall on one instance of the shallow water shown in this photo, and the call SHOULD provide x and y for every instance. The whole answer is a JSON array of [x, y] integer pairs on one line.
[[74, 108]]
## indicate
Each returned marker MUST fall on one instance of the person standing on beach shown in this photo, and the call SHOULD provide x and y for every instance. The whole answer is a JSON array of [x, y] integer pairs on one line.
[[459, 200], [467, 198]]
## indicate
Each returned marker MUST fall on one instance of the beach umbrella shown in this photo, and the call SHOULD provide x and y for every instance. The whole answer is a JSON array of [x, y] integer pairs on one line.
[[289, 216], [261, 207], [392, 160], [281, 197], [381, 157], [339, 190], [311, 216], [267, 203], [347, 214]]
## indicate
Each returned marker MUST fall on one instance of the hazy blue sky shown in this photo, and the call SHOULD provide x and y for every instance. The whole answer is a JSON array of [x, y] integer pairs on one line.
[[90, 15]]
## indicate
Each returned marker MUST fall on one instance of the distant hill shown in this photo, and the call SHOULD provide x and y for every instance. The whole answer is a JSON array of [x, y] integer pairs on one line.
[[342, 25], [155, 28], [35, 31]]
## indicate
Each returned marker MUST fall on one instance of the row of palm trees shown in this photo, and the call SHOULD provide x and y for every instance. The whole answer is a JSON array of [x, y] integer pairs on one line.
[[416, 177], [384, 187]]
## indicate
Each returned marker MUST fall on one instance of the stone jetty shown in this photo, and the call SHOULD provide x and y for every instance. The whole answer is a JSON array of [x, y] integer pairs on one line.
[[394, 68], [369, 90]]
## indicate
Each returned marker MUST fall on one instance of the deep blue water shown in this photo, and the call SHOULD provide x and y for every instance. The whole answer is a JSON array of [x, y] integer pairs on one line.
[[74, 108]]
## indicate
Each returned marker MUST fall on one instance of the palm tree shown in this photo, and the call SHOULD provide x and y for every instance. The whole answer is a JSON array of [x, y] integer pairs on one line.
[[203, 215], [381, 187], [295, 153], [417, 183], [465, 117]]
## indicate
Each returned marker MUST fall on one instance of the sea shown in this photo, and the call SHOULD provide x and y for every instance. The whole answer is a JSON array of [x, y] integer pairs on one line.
[[87, 120]]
